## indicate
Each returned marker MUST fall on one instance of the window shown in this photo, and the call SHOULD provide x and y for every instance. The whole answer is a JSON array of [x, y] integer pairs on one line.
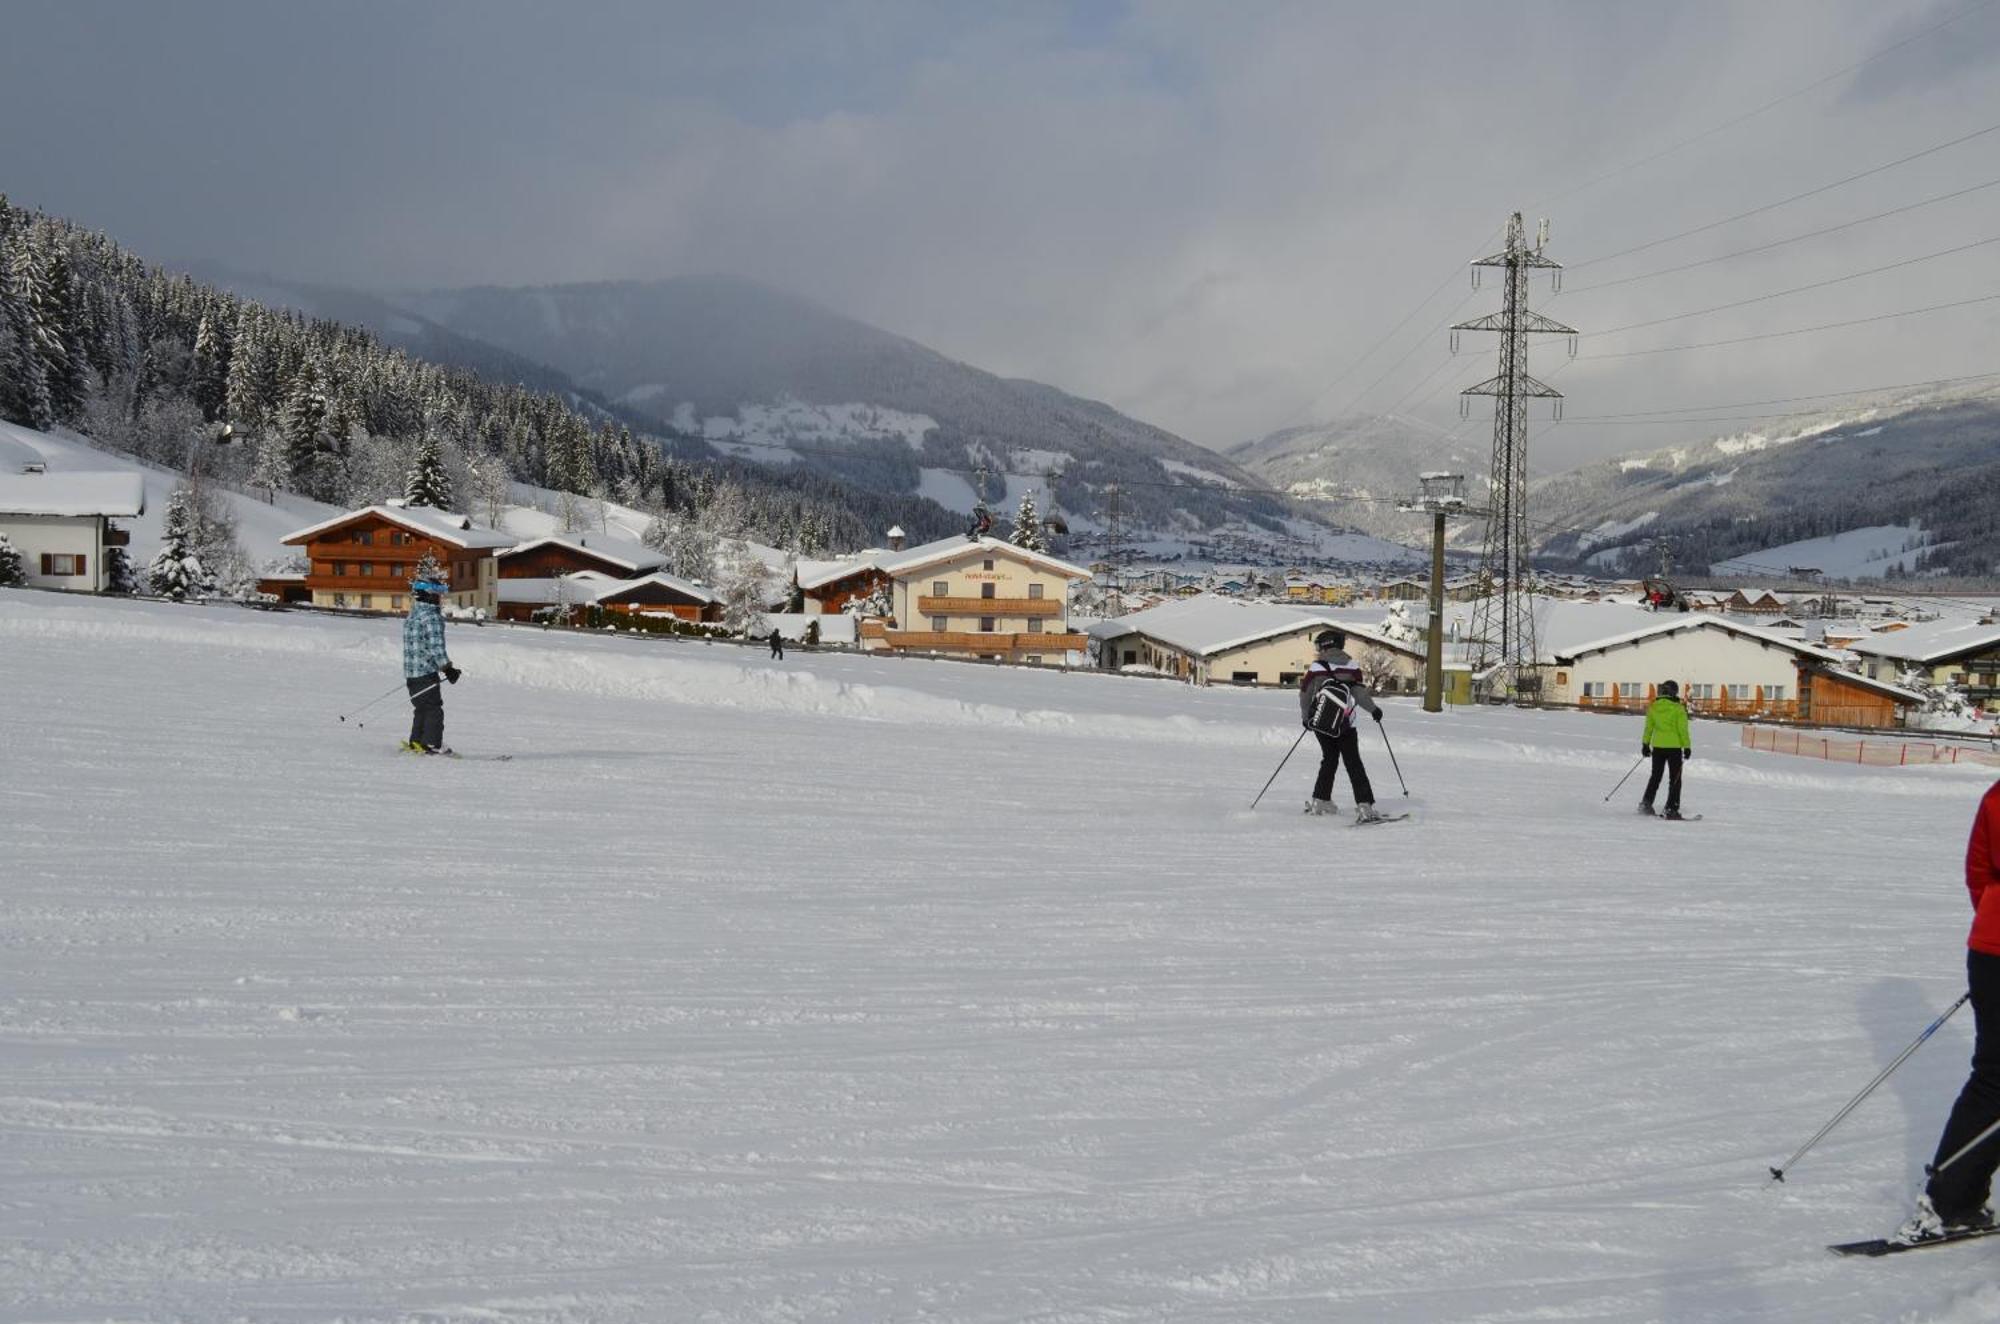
[[1288, 677], [1774, 693], [368, 570], [1034, 625], [1034, 590], [57, 563], [1131, 657], [1242, 678], [1739, 693], [396, 601], [989, 590], [986, 624], [344, 569], [367, 601], [1700, 691], [1632, 689], [340, 599], [941, 588], [940, 624], [989, 563], [357, 535], [1593, 689]]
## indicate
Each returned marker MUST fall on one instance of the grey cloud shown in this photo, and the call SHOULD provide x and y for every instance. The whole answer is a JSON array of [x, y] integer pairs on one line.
[[1202, 213]]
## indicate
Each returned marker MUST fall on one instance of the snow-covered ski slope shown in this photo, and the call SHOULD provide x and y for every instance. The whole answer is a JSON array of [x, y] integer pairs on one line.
[[863, 989]]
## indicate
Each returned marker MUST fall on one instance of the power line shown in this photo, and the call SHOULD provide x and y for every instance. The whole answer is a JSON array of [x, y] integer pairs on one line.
[[1785, 202], [1780, 243], [1800, 289], [1795, 331]]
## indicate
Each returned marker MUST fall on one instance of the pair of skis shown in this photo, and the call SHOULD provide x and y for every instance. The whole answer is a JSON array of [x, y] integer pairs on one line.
[[1880, 1246]]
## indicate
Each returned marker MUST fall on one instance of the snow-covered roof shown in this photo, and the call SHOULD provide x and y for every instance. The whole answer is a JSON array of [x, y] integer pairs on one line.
[[583, 586], [1900, 693], [916, 558], [1680, 622], [634, 556], [687, 587], [1206, 625], [818, 574], [1929, 643], [110, 492], [455, 530]]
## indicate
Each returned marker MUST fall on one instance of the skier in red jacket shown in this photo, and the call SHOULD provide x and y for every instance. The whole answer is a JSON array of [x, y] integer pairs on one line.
[[1955, 1198]]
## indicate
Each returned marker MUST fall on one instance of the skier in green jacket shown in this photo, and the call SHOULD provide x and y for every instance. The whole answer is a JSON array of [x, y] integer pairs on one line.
[[1666, 742]]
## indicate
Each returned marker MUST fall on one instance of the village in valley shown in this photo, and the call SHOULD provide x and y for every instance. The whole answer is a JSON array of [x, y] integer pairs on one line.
[[1834, 656]]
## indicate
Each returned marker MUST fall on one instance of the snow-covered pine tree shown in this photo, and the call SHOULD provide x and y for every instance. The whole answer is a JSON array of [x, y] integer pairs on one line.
[[308, 452], [11, 570], [24, 379], [63, 355], [1028, 532], [1397, 625], [176, 572], [119, 576], [746, 591], [273, 469], [428, 484], [492, 486], [690, 551], [209, 372]]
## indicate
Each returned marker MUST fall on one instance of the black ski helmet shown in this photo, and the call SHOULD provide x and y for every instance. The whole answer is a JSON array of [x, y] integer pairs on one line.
[[1670, 689], [1330, 639]]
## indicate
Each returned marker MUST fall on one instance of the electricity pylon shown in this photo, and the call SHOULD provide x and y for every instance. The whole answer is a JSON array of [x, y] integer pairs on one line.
[[1503, 620]]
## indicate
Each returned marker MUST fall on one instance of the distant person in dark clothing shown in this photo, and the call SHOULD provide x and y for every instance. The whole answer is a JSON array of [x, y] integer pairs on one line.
[[1334, 673], [777, 645]]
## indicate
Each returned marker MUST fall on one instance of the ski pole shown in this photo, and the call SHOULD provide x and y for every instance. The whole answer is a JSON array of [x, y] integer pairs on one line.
[[362, 726], [371, 703], [1392, 760], [1622, 780], [1281, 766], [1778, 1173]]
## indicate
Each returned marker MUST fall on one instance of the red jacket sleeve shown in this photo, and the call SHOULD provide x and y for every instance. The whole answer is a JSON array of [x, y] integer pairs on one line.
[[1982, 869]]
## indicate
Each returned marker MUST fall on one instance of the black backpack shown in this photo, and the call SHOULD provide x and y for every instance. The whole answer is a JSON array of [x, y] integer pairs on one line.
[[1333, 705]]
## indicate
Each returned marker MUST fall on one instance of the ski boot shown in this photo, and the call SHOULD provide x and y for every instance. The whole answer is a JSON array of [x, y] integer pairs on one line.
[[1646, 809], [1319, 808], [1366, 814]]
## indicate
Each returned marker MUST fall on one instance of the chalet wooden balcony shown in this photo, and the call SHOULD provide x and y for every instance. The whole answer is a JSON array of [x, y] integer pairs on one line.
[[930, 606], [1718, 707], [979, 641]]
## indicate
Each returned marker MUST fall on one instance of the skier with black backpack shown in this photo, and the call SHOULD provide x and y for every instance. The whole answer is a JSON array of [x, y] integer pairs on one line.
[[1330, 691]]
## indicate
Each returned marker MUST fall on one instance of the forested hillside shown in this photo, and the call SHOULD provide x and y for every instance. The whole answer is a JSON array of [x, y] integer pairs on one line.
[[153, 363]]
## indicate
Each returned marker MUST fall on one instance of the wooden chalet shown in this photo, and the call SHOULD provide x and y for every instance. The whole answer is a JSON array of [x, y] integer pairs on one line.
[[364, 560], [569, 554]]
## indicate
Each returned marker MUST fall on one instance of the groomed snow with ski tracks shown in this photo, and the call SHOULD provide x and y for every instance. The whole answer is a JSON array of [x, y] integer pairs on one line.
[[851, 988]]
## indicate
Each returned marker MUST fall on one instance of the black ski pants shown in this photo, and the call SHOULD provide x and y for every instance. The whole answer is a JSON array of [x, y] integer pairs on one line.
[[1334, 751], [427, 711], [1962, 1188], [1666, 761]]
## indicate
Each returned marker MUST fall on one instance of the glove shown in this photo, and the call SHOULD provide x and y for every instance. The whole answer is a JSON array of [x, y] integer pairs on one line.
[[1645, 751], [1687, 756], [451, 673], [1378, 714]]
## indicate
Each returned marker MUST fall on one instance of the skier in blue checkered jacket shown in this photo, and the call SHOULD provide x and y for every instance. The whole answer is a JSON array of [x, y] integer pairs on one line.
[[426, 667]]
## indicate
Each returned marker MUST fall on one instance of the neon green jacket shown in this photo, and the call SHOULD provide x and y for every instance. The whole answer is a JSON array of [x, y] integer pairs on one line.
[[1667, 725]]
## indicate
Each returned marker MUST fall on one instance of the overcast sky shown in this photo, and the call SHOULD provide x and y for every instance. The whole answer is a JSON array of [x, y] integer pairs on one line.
[[1203, 213]]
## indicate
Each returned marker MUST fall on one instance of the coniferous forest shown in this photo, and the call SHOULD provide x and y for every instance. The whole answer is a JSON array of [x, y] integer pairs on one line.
[[154, 364]]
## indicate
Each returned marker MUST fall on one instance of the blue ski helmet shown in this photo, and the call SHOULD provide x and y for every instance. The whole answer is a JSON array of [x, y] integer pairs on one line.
[[429, 586]]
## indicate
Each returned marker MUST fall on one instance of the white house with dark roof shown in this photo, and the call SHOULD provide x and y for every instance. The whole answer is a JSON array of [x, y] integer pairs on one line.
[[1218, 640], [61, 525]]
